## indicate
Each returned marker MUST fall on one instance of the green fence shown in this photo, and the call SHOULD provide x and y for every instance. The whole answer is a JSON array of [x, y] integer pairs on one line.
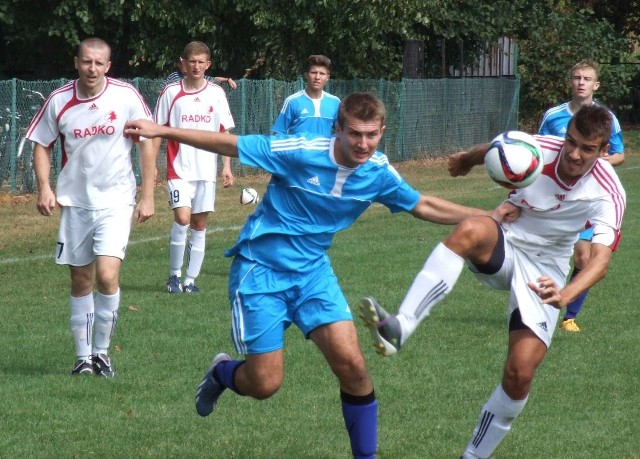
[[425, 118]]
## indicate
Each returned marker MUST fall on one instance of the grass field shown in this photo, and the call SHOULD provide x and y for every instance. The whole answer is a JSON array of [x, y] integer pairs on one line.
[[585, 402]]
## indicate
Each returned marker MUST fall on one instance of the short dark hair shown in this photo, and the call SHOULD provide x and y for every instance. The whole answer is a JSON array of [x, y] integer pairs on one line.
[[93, 42], [363, 106], [593, 122], [194, 48], [320, 61]]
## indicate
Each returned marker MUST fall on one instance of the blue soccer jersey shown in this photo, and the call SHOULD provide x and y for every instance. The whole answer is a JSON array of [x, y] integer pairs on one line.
[[310, 198], [556, 120], [300, 114]]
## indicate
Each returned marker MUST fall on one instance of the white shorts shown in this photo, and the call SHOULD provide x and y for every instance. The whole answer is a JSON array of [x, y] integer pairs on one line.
[[85, 234], [199, 195], [518, 268]]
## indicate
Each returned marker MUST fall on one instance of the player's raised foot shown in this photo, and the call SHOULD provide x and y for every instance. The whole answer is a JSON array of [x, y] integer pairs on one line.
[[190, 288], [102, 366], [210, 389], [82, 367], [384, 327], [174, 285], [570, 325]]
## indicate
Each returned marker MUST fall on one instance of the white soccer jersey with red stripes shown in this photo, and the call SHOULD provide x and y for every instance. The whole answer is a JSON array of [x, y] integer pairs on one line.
[[97, 171], [204, 109], [553, 212]]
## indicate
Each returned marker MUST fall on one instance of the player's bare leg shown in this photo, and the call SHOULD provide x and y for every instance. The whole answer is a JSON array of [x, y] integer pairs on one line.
[[525, 354], [338, 342]]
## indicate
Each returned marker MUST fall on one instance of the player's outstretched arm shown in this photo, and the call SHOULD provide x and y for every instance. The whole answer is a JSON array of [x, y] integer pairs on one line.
[[438, 210], [215, 142], [462, 162]]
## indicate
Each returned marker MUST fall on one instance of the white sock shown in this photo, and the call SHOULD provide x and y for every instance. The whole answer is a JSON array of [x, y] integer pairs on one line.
[[494, 423], [436, 278], [177, 243], [81, 323], [106, 317], [196, 255]]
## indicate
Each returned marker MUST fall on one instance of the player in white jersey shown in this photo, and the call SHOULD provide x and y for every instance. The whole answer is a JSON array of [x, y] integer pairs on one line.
[[96, 191], [281, 273], [312, 109], [584, 81], [194, 103], [528, 257]]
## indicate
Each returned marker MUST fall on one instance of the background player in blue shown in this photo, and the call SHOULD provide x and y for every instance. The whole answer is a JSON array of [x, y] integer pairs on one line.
[[584, 81], [312, 109], [281, 273]]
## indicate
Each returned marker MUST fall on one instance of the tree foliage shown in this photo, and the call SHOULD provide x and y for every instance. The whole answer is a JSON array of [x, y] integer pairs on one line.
[[364, 38]]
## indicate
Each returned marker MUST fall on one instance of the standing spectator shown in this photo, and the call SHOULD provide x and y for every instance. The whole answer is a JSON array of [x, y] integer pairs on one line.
[[312, 109], [584, 81], [96, 192], [195, 103], [281, 273]]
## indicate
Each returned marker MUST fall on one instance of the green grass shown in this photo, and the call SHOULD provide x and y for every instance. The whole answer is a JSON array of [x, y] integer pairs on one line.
[[584, 402]]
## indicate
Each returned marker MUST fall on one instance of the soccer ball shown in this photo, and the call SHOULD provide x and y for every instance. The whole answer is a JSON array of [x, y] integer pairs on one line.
[[514, 159], [249, 196]]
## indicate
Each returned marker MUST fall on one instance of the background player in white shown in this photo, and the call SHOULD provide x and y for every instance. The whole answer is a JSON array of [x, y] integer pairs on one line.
[[312, 109], [281, 273], [528, 257], [583, 81], [192, 102], [96, 191], [180, 73]]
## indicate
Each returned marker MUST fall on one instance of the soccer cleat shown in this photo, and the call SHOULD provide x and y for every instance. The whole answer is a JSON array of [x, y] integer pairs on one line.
[[190, 288], [102, 366], [210, 389], [174, 285], [384, 327], [82, 367], [570, 325]]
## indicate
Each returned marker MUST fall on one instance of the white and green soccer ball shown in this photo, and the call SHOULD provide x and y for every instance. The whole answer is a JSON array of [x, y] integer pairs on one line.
[[514, 159], [249, 196]]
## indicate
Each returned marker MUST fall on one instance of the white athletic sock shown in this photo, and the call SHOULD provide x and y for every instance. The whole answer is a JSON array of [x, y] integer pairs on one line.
[[81, 323], [196, 255], [106, 317], [177, 243], [436, 278], [494, 423]]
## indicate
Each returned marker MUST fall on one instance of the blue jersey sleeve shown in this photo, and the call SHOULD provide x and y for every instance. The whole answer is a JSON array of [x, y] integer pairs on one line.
[[281, 126]]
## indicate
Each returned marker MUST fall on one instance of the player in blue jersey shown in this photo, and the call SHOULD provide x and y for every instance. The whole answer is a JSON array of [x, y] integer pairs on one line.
[[281, 273], [584, 81], [312, 109]]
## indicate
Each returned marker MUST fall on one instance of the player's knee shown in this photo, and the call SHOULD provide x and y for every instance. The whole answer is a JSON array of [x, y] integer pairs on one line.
[[264, 389], [516, 381], [352, 374]]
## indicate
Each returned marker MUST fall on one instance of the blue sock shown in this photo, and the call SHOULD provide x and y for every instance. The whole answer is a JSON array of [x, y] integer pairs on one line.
[[575, 306], [361, 420], [225, 373]]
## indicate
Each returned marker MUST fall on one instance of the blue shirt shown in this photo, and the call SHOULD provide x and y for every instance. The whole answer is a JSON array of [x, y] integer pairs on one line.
[[556, 120], [300, 114], [310, 198]]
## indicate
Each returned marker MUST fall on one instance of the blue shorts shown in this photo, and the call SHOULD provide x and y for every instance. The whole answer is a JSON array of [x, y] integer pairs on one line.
[[265, 302], [586, 234]]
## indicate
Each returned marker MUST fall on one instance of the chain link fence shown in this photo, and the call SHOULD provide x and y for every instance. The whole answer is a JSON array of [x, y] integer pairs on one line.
[[425, 117]]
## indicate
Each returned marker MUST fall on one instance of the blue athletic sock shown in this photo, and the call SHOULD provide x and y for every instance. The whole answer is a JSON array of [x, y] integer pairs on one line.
[[361, 420], [575, 306], [225, 373]]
